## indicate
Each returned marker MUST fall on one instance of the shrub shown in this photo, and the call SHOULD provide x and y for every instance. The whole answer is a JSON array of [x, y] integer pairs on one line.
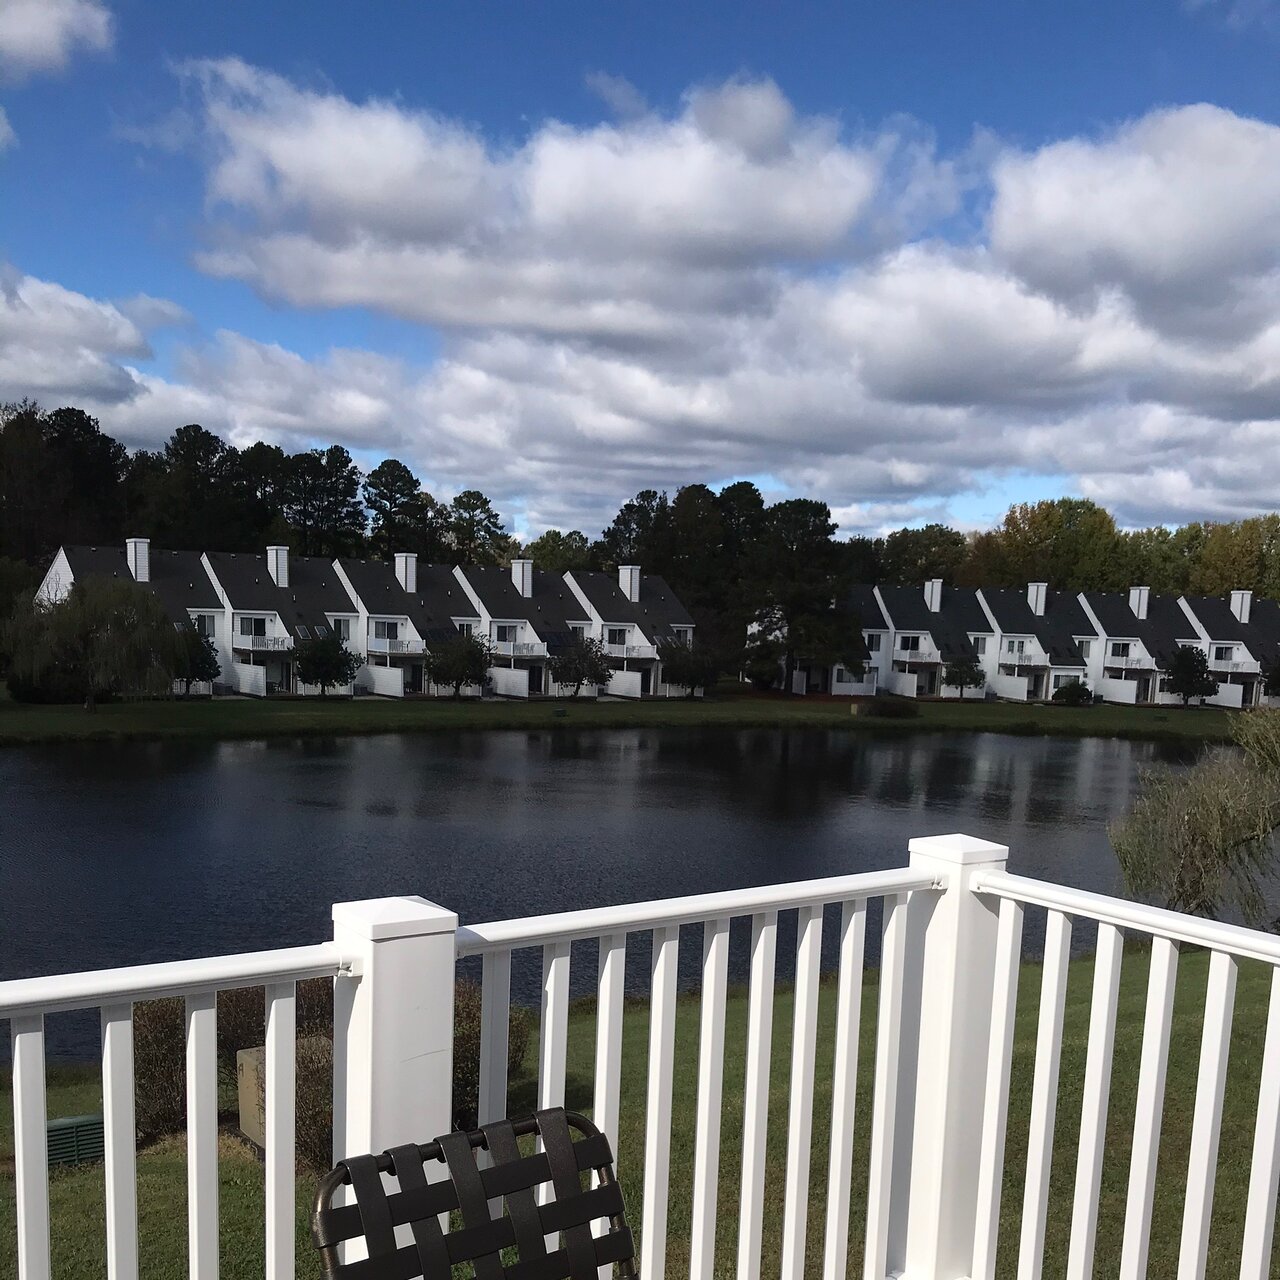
[[1075, 693], [892, 708], [160, 1066], [762, 672], [314, 1124], [466, 1050]]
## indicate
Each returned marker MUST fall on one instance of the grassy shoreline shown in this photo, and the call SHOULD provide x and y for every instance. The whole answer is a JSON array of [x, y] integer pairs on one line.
[[77, 1194], [23, 725]]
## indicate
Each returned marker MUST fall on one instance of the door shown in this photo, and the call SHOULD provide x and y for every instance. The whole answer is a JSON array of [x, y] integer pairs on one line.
[[646, 675], [535, 678]]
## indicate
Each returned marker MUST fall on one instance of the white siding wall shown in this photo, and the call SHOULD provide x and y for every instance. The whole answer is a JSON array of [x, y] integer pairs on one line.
[[387, 681], [624, 684], [250, 680], [510, 682]]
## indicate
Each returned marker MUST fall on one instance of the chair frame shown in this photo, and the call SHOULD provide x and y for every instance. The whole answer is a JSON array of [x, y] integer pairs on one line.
[[477, 1191]]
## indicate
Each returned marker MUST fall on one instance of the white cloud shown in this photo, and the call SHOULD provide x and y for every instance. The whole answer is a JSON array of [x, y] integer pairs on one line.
[[730, 289], [7, 135], [40, 35]]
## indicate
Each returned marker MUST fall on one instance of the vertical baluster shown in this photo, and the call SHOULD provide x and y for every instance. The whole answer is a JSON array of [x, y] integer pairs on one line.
[[884, 1105], [1215, 1045], [1093, 1107], [706, 1162], [119, 1132], [554, 1036], [495, 1022], [1044, 1095], [1150, 1108], [610, 991], [1264, 1174], [995, 1107], [281, 1112], [657, 1127], [800, 1116], [202, 1136], [755, 1116], [30, 1146], [844, 1084]]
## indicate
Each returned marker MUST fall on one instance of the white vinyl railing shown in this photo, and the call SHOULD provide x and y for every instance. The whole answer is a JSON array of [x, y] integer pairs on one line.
[[381, 644], [950, 959]]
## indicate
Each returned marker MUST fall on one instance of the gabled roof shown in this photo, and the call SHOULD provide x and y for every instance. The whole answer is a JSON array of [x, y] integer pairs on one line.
[[314, 589], [660, 611], [959, 615], [863, 602], [178, 579], [605, 596], [1063, 619], [438, 600], [1260, 635], [1161, 631], [497, 592], [553, 605]]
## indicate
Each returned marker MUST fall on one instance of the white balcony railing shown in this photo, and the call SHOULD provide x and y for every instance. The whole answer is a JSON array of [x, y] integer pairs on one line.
[[520, 648], [950, 960], [270, 643], [631, 650], [380, 644], [1233, 666], [1133, 662]]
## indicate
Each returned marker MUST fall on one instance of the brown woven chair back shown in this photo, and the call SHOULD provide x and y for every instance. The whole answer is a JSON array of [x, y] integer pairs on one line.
[[495, 1223]]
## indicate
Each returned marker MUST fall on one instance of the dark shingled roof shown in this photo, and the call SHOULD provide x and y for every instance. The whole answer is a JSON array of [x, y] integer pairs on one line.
[[497, 592], [1063, 619], [1164, 627], [553, 607], [863, 602], [605, 596], [438, 600], [1260, 635], [178, 579], [660, 611], [959, 614], [314, 589]]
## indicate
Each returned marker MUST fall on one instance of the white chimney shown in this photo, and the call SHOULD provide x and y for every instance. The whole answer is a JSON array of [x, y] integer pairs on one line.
[[522, 576], [407, 571], [278, 565], [1242, 605], [1139, 597], [1037, 592], [933, 594], [629, 581], [137, 551]]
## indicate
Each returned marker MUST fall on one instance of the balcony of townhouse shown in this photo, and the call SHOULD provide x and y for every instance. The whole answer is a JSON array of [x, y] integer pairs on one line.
[[631, 650], [519, 648], [1129, 662], [394, 648], [261, 644], [923, 652], [1229, 661], [934, 1118], [1029, 658]]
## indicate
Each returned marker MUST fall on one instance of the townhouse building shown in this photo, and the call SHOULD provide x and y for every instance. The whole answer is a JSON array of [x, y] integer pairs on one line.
[[257, 608]]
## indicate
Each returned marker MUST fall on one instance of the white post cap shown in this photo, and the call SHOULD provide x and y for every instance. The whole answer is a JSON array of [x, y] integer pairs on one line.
[[378, 919]]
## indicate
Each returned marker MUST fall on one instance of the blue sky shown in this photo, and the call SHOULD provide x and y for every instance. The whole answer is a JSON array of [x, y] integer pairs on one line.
[[918, 259]]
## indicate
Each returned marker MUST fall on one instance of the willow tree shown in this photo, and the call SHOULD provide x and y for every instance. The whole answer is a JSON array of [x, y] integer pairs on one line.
[[106, 636], [1200, 840]]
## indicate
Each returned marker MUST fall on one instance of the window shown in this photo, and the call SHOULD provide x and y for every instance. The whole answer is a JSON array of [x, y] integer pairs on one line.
[[383, 630], [1015, 646], [841, 676], [506, 633], [873, 642], [253, 626], [466, 628], [617, 635], [1084, 648], [321, 631], [1120, 649], [205, 624], [342, 628], [579, 629], [1059, 681], [303, 633], [1223, 652], [979, 644], [909, 644]]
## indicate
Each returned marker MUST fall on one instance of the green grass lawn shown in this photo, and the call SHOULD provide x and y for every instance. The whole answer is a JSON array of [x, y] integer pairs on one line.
[[252, 718], [77, 1194]]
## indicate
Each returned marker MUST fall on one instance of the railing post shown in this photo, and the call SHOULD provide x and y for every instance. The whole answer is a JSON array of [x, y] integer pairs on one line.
[[393, 1024], [952, 945]]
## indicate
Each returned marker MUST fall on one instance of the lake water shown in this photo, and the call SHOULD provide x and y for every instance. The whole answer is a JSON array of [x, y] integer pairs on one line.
[[143, 852]]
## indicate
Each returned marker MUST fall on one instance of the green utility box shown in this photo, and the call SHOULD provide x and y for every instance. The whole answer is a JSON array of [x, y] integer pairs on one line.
[[75, 1140]]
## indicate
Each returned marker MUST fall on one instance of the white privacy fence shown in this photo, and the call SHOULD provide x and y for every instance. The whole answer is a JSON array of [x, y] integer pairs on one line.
[[922, 1144]]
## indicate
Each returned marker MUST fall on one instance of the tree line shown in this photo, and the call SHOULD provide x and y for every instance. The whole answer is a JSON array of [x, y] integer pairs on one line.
[[731, 557]]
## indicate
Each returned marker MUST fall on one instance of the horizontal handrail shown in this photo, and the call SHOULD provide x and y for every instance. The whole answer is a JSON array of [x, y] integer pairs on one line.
[[1195, 930], [594, 922], [63, 991]]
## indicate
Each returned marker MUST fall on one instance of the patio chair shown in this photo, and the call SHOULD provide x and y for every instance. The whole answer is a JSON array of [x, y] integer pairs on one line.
[[511, 1244]]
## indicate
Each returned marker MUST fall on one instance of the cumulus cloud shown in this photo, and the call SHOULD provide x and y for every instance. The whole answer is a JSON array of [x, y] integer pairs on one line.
[[728, 288], [7, 135], [41, 35]]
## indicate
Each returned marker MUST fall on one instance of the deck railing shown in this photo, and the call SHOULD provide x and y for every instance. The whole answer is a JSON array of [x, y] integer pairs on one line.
[[950, 956]]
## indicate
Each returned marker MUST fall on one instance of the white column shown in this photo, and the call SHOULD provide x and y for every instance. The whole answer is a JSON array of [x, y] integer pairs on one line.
[[954, 935], [393, 1024]]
